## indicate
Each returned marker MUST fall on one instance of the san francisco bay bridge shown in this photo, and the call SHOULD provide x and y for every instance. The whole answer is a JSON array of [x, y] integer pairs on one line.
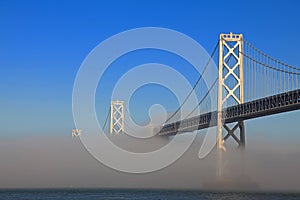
[[250, 84]]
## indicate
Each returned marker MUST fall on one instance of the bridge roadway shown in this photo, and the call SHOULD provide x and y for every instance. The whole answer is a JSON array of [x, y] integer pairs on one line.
[[271, 105]]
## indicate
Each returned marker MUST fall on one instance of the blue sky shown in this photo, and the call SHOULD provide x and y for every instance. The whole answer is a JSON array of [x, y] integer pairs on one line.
[[43, 43]]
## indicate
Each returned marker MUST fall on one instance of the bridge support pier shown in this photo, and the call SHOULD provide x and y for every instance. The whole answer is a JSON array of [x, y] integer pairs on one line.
[[117, 117], [230, 89], [230, 84]]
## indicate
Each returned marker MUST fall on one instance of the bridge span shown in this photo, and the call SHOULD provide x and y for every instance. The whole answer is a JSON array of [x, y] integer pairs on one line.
[[249, 84], [271, 105]]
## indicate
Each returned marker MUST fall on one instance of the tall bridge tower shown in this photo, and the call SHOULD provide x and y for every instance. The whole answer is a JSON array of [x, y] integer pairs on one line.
[[230, 86], [117, 117]]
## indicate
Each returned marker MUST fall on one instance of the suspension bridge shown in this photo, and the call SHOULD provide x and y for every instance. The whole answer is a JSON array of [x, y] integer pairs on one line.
[[250, 84]]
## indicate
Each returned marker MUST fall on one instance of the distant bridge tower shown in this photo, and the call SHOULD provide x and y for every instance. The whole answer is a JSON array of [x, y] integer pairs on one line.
[[117, 117], [230, 85], [76, 133]]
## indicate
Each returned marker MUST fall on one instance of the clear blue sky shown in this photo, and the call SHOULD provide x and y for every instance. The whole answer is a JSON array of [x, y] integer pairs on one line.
[[42, 44]]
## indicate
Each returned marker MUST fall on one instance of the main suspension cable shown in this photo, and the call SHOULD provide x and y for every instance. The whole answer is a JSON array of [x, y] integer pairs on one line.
[[200, 77]]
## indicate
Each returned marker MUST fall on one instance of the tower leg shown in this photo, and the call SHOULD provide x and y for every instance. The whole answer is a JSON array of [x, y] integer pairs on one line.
[[242, 135]]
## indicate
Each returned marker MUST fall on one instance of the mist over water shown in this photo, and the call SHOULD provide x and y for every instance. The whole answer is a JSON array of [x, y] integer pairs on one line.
[[43, 162]]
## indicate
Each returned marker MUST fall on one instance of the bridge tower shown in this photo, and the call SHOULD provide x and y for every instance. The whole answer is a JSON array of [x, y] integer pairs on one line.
[[230, 86], [117, 117]]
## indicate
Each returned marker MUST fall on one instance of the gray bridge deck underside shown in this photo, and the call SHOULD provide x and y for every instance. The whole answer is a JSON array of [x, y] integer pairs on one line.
[[271, 105]]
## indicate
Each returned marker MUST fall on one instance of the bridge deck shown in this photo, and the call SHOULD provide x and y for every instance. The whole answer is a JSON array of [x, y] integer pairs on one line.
[[271, 105]]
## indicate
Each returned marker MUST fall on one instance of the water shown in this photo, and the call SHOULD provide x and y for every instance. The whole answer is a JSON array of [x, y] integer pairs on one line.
[[124, 194]]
